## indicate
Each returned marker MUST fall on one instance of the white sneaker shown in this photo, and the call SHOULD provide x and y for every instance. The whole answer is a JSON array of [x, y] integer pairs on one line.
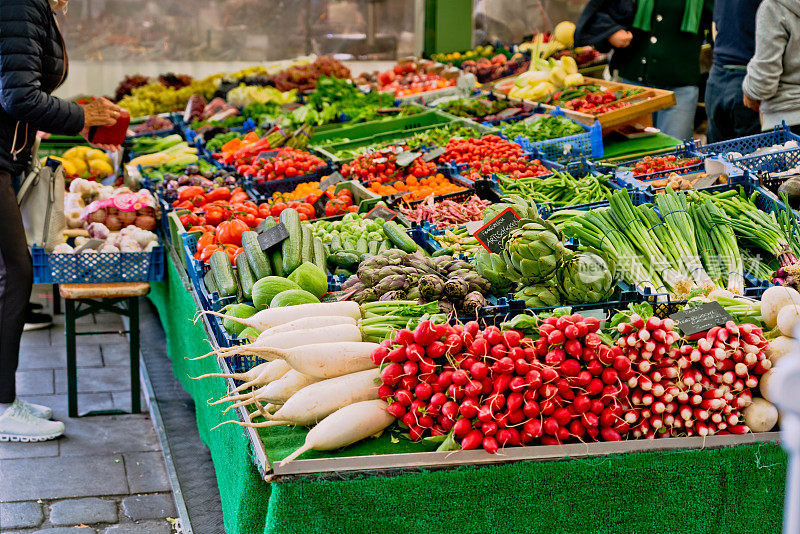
[[18, 423], [42, 412]]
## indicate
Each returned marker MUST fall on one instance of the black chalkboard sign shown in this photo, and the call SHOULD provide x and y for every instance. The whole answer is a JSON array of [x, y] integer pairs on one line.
[[262, 226], [272, 236], [319, 205], [333, 178], [381, 211], [491, 234], [267, 154], [404, 159], [433, 154], [702, 318]]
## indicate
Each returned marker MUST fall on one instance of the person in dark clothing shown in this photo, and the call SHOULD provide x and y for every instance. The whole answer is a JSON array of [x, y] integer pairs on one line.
[[33, 63], [734, 45], [655, 43]]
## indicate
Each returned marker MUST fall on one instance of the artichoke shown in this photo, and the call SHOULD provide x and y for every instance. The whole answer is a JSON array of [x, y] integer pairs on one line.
[[413, 293], [352, 282], [418, 261], [395, 282], [522, 207], [473, 303], [492, 267], [586, 278], [455, 289], [539, 296], [431, 287], [394, 295], [447, 308], [536, 250]]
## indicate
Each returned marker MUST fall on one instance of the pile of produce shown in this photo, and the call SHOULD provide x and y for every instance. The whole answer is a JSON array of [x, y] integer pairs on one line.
[[398, 275], [481, 51], [171, 150], [597, 103], [412, 189], [245, 96], [499, 66], [304, 77], [492, 154], [411, 77], [338, 204], [308, 191], [651, 164], [441, 135], [117, 207], [542, 128], [457, 241], [483, 109], [128, 239], [446, 213], [560, 189], [242, 152], [156, 174], [156, 98], [684, 183], [381, 167], [199, 113], [210, 179], [153, 124], [547, 77], [287, 163], [85, 162]]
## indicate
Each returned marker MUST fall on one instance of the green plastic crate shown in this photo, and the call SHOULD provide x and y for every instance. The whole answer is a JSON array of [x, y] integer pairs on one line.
[[366, 130]]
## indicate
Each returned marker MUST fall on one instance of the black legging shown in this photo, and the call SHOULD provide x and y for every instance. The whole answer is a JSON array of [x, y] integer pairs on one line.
[[16, 282]]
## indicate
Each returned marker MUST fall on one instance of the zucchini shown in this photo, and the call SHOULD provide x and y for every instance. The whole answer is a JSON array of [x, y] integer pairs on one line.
[[320, 255], [343, 259], [274, 255], [372, 248], [446, 251], [384, 246], [208, 280], [290, 248], [364, 256], [223, 274], [341, 271], [400, 239], [307, 245], [256, 258], [336, 243], [246, 276], [362, 246]]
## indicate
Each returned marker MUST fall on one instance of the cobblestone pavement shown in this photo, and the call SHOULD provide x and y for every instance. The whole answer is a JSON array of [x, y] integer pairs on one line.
[[107, 473]]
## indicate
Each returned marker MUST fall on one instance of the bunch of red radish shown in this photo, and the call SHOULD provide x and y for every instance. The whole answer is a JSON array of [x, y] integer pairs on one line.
[[496, 389], [695, 388]]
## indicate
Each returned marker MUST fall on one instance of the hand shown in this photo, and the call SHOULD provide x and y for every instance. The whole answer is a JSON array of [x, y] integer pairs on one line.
[[109, 148], [620, 38], [755, 105], [100, 112]]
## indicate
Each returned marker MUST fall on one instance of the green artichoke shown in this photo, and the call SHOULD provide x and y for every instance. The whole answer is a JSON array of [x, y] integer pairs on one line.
[[539, 295], [585, 278], [536, 250], [395, 282], [431, 287], [473, 303], [492, 267], [455, 289], [522, 207]]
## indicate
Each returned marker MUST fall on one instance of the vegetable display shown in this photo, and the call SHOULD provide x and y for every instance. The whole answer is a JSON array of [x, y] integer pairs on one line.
[[543, 128], [382, 167], [560, 189], [649, 164], [446, 213]]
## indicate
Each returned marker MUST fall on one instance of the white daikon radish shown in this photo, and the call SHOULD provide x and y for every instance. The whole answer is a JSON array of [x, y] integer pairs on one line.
[[272, 317], [260, 375], [779, 347], [763, 384], [774, 300], [288, 340], [310, 322], [276, 392], [317, 401], [326, 360], [787, 319], [761, 415], [345, 426]]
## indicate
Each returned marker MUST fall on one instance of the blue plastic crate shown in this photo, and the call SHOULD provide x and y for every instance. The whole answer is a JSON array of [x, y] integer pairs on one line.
[[623, 295], [588, 144], [191, 135], [746, 145], [100, 267], [683, 151], [263, 190]]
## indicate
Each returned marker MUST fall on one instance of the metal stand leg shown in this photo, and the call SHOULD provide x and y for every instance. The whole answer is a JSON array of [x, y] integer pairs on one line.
[[56, 300], [72, 364], [133, 309]]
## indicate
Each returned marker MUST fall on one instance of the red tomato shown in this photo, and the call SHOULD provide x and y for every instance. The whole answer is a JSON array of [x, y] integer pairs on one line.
[[230, 232]]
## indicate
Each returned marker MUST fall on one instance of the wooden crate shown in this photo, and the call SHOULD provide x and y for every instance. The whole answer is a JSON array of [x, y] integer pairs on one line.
[[642, 104]]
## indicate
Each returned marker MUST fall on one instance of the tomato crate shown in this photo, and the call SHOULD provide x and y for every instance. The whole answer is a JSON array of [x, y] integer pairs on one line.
[[458, 169], [261, 189], [681, 152], [99, 267]]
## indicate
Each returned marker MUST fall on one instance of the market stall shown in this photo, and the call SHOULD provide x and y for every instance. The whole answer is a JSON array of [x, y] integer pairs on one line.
[[476, 293]]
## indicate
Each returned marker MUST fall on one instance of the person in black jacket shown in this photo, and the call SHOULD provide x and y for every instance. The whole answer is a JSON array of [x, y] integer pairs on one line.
[[33, 64]]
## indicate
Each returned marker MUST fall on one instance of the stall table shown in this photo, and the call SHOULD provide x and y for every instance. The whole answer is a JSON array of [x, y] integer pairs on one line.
[[728, 489]]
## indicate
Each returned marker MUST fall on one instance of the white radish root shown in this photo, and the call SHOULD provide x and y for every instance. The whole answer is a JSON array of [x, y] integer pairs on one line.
[[279, 391], [311, 322], [788, 318], [763, 384], [327, 360], [774, 300], [761, 415], [779, 347], [272, 317], [346, 426]]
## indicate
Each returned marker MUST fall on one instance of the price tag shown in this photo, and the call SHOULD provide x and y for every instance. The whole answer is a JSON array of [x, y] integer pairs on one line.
[[404, 159], [90, 244], [433, 154], [702, 318], [491, 234], [262, 226], [319, 205], [331, 179], [268, 154], [272, 236], [381, 211]]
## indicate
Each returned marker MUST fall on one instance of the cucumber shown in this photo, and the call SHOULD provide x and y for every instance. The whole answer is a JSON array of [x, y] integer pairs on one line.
[[246, 276], [447, 251], [208, 280], [307, 245], [290, 248], [274, 255], [364, 256], [256, 258], [320, 255], [348, 244], [384, 246], [400, 239], [362, 246], [336, 243], [223, 274], [343, 259], [373, 247]]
